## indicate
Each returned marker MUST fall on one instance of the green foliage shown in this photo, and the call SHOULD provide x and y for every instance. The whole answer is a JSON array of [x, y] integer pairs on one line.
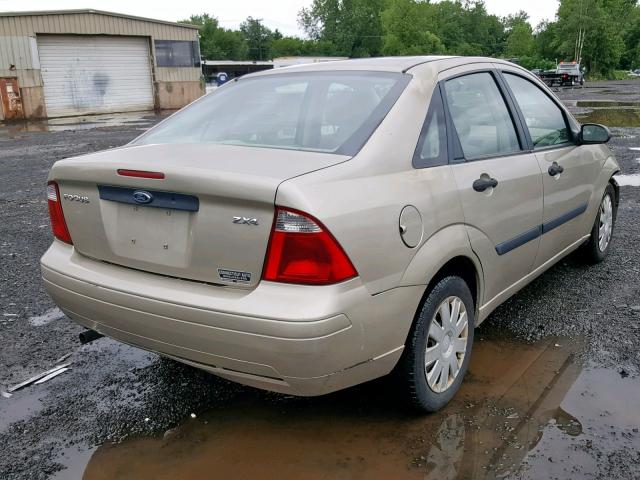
[[536, 62], [407, 25], [520, 42], [601, 24], [259, 38], [353, 27], [604, 35], [217, 42]]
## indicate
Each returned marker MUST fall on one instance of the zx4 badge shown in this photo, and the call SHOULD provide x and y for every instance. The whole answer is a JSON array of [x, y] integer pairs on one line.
[[245, 220]]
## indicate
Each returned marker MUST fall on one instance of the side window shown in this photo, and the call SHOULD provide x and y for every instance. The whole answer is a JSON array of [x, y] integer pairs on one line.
[[543, 117], [431, 150], [480, 116]]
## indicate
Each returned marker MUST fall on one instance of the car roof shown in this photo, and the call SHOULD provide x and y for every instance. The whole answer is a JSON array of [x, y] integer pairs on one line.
[[380, 64]]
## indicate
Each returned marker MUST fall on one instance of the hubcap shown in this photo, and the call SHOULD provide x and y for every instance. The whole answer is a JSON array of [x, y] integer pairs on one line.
[[606, 223], [446, 344]]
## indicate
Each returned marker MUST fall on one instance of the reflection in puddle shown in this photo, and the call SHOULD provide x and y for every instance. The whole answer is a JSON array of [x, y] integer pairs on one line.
[[612, 117], [600, 103], [518, 404]]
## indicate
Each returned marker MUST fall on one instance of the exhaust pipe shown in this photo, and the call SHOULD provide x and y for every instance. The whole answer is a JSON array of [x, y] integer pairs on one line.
[[89, 336]]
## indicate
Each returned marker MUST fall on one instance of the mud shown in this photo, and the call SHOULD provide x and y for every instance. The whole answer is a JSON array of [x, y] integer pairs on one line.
[[528, 408], [520, 404]]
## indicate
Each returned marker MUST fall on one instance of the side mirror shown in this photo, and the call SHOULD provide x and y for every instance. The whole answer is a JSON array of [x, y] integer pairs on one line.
[[592, 133]]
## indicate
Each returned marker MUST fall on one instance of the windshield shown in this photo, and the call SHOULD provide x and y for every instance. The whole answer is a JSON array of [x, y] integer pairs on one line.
[[315, 111]]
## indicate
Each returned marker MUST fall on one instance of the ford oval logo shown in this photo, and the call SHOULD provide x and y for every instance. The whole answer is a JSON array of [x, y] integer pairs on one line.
[[141, 196]]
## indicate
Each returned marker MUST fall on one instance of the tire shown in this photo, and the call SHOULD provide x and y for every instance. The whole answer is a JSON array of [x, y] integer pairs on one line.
[[595, 250], [429, 395]]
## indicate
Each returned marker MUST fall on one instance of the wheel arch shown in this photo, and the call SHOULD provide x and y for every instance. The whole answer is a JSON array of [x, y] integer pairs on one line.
[[616, 188], [458, 266], [447, 252]]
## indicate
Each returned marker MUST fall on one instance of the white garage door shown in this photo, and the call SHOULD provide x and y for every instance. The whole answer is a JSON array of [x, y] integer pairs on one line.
[[95, 74]]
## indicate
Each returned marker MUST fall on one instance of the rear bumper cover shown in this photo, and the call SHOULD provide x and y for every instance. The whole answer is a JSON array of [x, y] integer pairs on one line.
[[287, 338]]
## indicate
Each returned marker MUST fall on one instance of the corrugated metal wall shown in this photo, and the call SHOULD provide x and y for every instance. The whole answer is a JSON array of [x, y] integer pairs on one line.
[[91, 24], [19, 56], [19, 49], [18, 45]]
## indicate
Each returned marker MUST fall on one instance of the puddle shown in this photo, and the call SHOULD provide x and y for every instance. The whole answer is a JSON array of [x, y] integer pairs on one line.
[[133, 119], [601, 103], [21, 404], [519, 404], [612, 117], [46, 318], [606, 406], [628, 180]]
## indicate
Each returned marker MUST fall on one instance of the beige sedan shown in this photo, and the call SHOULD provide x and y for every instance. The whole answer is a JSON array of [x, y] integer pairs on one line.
[[307, 229]]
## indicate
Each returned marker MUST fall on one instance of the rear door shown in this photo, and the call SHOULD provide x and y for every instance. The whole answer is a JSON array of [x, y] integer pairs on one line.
[[499, 182], [569, 172]]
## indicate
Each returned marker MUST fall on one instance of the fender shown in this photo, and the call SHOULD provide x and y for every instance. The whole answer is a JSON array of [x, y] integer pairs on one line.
[[447, 243], [610, 167]]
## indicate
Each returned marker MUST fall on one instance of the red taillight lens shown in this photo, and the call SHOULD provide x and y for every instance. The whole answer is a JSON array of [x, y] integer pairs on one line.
[[301, 250], [58, 225]]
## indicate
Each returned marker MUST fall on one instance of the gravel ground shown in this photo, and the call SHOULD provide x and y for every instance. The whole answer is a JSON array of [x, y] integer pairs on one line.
[[114, 391]]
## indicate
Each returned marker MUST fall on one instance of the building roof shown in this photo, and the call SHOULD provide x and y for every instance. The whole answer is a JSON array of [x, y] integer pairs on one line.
[[96, 12]]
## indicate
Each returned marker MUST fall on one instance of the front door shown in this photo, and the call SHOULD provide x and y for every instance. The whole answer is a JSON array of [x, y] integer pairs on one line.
[[569, 172], [499, 183]]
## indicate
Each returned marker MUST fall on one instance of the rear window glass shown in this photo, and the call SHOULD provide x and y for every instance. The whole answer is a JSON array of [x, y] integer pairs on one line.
[[332, 112]]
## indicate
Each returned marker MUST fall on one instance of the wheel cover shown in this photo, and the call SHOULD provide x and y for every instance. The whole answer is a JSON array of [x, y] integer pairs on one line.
[[606, 223], [446, 344]]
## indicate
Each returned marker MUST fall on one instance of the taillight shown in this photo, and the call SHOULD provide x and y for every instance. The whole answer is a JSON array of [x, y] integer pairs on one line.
[[140, 174], [301, 250], [58, 225]]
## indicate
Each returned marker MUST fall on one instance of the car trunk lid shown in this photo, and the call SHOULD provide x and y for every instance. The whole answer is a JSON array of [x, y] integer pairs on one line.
[[209, 218]]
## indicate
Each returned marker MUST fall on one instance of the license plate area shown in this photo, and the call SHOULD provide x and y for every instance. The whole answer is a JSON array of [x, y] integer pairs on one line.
[[149, 234]]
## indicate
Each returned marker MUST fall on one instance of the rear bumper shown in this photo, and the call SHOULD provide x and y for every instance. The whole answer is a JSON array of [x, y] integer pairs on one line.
[[287, 338]]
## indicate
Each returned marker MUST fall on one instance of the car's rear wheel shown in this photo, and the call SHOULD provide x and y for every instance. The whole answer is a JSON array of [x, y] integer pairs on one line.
[[596, 249], [438, 349]]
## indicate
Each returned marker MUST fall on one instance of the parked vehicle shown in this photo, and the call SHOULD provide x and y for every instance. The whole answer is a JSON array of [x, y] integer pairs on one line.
[[565, 74], [634, 73], [343, 221]]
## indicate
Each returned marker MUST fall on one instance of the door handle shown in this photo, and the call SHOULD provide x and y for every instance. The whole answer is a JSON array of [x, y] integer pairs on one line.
[[481, 184], [555, 169]]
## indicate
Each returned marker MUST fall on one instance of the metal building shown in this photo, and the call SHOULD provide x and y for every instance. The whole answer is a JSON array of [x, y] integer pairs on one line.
[[76, 62]]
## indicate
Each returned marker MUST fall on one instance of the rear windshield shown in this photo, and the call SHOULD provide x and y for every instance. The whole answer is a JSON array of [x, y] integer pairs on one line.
[[321, 111]]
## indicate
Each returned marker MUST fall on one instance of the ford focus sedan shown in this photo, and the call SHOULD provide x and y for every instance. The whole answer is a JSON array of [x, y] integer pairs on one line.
[[306, 229]]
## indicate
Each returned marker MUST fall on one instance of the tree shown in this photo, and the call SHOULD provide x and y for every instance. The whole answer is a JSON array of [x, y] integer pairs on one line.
[[406, 25], [217, 43], [258, 38], [588, 31], [520, 42], [603, 34], [354, 27]]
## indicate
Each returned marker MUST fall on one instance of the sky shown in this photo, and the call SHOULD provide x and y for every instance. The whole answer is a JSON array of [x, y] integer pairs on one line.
[[280, 14]]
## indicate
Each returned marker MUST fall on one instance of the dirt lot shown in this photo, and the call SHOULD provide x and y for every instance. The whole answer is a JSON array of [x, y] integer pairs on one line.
[[552, 392]]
